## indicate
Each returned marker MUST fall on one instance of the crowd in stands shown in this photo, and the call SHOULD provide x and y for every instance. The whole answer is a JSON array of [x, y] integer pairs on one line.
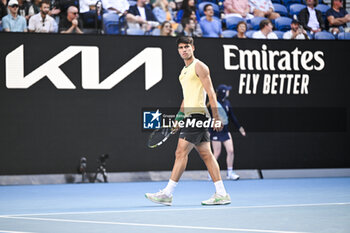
[[260, 19]]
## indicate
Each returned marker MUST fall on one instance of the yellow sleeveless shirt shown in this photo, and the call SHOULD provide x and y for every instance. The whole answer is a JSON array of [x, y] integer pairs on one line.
[[193, 91]]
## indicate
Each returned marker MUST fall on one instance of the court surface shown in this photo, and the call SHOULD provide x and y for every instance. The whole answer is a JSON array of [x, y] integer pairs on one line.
[[320, 205]]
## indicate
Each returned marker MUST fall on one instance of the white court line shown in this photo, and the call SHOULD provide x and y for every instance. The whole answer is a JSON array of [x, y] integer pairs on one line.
[[154, 225], [203, 208], [2, 231]]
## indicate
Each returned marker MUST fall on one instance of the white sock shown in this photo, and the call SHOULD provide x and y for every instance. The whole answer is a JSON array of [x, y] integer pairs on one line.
[[169, 189], [229, 170], [220, 188]]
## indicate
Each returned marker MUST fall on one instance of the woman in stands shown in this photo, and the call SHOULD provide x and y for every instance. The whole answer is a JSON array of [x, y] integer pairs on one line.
[[166, 29], [241, 29], [186, 10]]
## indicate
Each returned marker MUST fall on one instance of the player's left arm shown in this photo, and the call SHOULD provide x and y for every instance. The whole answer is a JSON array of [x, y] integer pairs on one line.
[[203, 73]]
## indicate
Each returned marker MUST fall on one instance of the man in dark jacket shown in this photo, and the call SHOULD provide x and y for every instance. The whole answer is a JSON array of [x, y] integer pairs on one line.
[[310, 18]]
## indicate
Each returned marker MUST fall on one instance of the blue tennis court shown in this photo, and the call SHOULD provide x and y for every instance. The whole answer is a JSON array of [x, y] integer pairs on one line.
[[320, 205]]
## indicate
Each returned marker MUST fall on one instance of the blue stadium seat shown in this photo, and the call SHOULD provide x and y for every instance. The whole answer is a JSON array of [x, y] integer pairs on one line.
[[215, 7], [279, 34], [283, 23], [250, 33], [229, 33], [155, 32], [295, 8], [344, 36], [311, 36], [287, 3], [281, 9], [232, 21], [255, 22], [324, 36], [212, 1], [323, 8], [111, 23], [135, 32], [132, 2]]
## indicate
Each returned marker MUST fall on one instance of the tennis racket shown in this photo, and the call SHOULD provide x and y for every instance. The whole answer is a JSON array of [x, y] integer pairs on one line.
[[159, 136]]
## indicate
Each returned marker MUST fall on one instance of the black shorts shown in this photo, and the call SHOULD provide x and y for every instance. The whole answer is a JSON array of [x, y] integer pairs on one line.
[[220, 136], [195, 135]]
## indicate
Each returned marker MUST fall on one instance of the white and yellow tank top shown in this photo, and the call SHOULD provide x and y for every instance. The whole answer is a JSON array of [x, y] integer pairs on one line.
[[193, 91]]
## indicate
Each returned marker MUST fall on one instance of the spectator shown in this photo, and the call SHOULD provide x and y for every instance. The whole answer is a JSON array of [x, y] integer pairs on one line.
[[263, 8], [338, 17], [238, 8], [14, 22], [296, 32], [166, 29], [23, 8], [61, 7], [211, 27], [42, 22], [188, 26], [71, 23], [3, 11], [187, 7], [265, 31], [241, 30], [310, 18], [119, 7], [141, 15], [34, 8], [88, 10], [163, 11]]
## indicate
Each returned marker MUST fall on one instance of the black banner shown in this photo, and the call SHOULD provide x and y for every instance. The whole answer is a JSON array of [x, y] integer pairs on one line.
[[66, 96]]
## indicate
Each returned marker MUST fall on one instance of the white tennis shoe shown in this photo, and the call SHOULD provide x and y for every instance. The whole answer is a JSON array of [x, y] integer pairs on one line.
[[232, 176], [160, 198], [217, 199]]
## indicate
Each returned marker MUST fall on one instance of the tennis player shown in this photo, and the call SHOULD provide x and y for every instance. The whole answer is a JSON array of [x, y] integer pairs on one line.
[[196, 83]]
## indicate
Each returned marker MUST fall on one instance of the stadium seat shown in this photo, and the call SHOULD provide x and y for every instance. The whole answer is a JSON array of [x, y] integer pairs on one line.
[[215, 7], [283, 23], [229, 33], [135, 32], [132, 2], [323, 8], [232, 21], [277, 1], [287, 3], [250, 33], [344, 36], [255, 22], [324, 36], [295, 8], [111, 23], [281, 9], [279, 34]]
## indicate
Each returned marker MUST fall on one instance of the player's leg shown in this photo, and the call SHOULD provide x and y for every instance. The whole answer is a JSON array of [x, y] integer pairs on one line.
[[228, 144], [165, 196], [220, 197]]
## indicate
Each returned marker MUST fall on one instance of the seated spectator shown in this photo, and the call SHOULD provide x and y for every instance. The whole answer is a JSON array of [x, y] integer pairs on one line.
[[14, 22], [23, 8], [296, 32], [265, 31], [71, 23], [166, 29], [238, 8], [187, 7], [34, 8], [338, 17], [162, 11], [263, 8], [119, 7], [3, 11], [210, 26], [190, 26], [88, 10], [241, 30], [310, 18], [61, 7], [42, 22], [141, 16]]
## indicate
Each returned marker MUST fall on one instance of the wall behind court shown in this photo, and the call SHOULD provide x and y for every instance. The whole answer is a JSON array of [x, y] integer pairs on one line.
[[47, 124]]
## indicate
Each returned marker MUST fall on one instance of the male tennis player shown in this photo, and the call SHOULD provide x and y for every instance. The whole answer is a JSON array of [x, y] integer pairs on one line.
[[196, 83]]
